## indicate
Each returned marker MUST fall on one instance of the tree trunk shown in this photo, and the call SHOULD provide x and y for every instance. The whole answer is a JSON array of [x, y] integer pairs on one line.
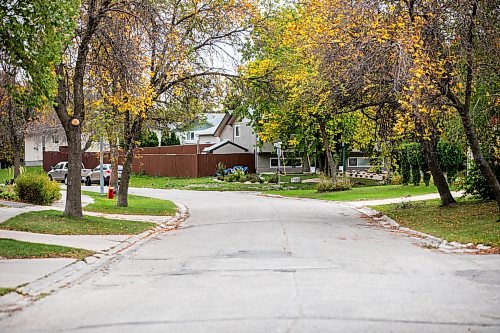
[[477, 154], [124, 182], [430, 154], [464, 111], [73, 206], [16, 122], [17, 156], [131, 135], [113, 156], [332, 165]]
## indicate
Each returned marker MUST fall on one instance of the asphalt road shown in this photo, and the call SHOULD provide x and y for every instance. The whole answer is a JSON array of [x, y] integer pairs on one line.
[[246, 263]]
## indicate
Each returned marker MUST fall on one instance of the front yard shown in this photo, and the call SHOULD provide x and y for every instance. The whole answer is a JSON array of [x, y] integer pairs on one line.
[[6, 174], [211, 184], [466, 222], [14, 249], [53, 222], [360, 193], [137, 205]]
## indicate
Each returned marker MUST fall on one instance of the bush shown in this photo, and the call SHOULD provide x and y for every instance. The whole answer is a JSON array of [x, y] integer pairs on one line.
[[37, 189], [476, 185], [7, 193], [396, 179], [220, 169], [405, 168], [234, 169], [451, 159], [326, 184], [253, 178], [273, 179]]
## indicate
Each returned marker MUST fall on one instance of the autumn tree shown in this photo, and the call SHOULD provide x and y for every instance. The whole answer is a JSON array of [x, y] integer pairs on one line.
[[184, 42], [70, 99], [32, 37], [322, 61], [457, 43]]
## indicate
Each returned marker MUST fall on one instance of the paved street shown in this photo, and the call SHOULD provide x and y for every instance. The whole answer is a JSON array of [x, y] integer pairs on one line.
[[247, 263]]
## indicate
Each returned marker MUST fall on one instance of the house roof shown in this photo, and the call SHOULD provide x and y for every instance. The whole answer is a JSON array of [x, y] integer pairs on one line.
[[222, 144], [228, 119], [210, 124]]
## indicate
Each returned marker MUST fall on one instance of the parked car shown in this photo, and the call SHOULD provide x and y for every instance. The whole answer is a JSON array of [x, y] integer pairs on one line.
[[94, 176], [59, 172]]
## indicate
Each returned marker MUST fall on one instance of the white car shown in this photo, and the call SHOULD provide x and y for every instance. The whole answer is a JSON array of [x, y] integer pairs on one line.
[[59, 172], [94, 176]]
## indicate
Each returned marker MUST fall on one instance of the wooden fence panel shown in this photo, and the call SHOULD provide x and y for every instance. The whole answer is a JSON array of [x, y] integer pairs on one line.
[[171, 165], [178, 149], [168, 165]]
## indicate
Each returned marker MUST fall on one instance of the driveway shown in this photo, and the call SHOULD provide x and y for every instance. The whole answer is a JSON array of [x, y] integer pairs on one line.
[[247, 263]]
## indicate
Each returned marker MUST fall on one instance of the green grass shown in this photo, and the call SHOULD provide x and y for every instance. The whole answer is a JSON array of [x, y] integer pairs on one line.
[[168, 182], [137, 205], [13, 249], [207, 184], [465, 222], [361, 193], [53, 222], [7, 174], [4, 291]]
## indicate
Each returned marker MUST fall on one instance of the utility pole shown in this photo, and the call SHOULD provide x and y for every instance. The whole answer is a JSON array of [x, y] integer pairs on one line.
[[277, 145], [101, 171], [343, 159]]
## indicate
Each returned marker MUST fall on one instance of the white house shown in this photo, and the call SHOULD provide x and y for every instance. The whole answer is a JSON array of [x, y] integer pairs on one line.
[[42, 138], [204, 132]]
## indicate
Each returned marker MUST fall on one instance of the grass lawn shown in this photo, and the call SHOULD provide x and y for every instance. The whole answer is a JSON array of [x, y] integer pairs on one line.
[[53, 222], [466, 222], [137, 205], [4, 291], [7, 174], [361, 193], [209, 184], [13, 249]]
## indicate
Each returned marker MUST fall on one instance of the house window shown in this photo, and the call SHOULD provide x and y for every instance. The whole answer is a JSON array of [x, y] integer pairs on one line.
[[190, 136], [237, 131], [55, 138], [289, 162], [359, 162]]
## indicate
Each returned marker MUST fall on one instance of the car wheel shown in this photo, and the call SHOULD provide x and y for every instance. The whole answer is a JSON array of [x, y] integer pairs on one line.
[[106, 181], [65, 179], [50, 178], [88, 182]]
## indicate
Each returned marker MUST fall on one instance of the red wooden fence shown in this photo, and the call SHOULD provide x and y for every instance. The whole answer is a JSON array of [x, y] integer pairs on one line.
[[171, 161]]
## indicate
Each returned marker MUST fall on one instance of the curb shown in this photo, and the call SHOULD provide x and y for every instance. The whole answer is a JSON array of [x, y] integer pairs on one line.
[[427, 240], [33, 291]]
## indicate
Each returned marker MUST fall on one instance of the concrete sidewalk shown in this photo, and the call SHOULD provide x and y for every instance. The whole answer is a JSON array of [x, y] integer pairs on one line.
[[15, 272], [96, 243]]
